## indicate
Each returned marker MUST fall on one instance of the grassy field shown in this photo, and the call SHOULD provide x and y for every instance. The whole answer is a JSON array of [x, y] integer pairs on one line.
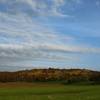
[[48, 91]]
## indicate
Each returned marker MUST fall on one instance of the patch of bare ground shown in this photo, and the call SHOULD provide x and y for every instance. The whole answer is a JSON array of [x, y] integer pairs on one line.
[[27, 84]]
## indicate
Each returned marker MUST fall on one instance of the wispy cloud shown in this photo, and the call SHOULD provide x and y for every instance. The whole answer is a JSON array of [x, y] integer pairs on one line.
[[35, 41], [51, 8], [97, 3], [35, 7], [24, 38], [30, 39]]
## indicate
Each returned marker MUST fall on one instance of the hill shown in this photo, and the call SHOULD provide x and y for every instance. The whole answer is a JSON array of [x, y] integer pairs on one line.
[[66, 76]]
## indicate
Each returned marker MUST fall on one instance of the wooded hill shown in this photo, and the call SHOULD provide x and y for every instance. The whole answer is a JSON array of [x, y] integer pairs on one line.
[[44, 75]]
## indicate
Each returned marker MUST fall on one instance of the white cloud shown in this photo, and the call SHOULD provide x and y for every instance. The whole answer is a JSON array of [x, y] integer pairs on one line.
[[35, 41], [41, 51], [33, 38], [47, 8], [97, 3], [52, 8], [28, 39], [22, 26], [35, 7]]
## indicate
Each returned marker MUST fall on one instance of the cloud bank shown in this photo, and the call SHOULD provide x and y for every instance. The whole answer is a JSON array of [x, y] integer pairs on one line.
[[24, 38]]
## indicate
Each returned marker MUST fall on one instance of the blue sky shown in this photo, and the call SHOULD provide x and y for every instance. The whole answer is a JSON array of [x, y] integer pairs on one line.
[[49, 33]]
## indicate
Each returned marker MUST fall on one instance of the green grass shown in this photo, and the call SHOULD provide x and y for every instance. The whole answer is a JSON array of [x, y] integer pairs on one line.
[[50, 92]]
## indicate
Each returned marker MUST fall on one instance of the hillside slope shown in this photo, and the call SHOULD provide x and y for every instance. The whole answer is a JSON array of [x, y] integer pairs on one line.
[[66, 75]]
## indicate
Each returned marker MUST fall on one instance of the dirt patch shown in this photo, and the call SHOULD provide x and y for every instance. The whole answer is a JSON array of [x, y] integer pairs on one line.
[[25, 84]]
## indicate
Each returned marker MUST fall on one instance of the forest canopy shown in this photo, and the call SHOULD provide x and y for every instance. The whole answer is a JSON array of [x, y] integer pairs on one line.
[[67, 76]]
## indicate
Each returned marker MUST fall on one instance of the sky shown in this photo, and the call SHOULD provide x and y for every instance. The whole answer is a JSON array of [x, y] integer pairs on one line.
[[49, 33]]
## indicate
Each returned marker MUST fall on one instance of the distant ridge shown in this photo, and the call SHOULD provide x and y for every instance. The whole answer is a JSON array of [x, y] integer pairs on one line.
[[51, 74]]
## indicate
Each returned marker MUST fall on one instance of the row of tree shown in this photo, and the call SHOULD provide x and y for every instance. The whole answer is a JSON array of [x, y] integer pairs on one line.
[[66, 75]]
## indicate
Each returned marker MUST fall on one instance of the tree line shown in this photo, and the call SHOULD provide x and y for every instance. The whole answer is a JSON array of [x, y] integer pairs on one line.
[[44, 75]]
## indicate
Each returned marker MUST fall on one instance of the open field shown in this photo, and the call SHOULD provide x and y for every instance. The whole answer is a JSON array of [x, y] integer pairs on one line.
[[41, 91]]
